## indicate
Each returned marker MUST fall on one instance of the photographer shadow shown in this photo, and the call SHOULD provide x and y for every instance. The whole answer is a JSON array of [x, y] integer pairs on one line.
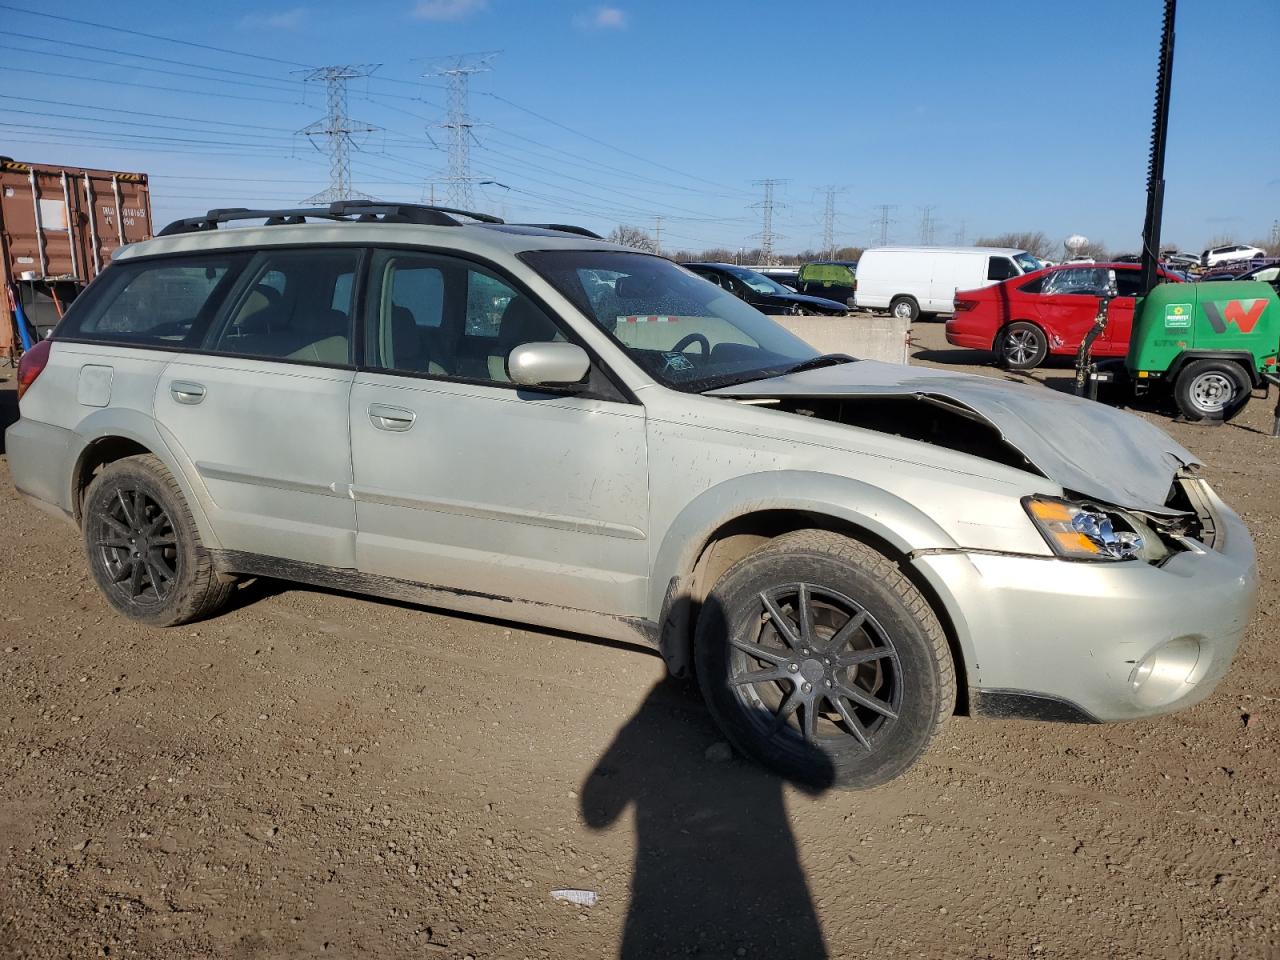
[[717, 873]]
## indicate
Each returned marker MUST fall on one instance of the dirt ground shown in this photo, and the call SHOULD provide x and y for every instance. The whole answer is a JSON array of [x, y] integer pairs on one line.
[[319, 775]]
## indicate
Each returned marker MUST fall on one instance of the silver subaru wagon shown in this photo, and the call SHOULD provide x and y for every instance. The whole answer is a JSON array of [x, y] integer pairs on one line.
[[527, 423]]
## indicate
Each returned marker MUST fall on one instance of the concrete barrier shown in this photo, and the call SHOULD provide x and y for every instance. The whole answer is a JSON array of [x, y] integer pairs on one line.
[[866, 336]]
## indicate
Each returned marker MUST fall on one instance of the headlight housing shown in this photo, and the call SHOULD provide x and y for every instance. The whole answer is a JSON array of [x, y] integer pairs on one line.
[[1078, 531]]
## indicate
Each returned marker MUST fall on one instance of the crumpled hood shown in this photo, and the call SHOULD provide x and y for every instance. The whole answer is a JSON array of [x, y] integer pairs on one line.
[[1084, 446]]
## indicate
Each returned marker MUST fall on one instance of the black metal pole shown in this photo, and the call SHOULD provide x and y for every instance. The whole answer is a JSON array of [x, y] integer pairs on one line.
[[1155, 165]]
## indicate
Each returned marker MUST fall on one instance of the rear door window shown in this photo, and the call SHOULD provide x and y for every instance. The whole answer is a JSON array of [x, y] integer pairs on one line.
[[1084, 281], [296, 305], [156, 303]]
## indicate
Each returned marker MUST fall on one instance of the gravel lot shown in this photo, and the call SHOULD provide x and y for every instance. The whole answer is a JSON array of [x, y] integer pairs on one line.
[[319, 775]]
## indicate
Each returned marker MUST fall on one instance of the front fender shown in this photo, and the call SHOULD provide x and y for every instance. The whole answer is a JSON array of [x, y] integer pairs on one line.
[[868, 507]]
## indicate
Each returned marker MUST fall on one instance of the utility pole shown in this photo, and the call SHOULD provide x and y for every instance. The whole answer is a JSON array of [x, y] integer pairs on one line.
[[457, 72], [766, 236], [882, 222], [336, 128], [1275, 233], [657, 235], [926, 226], [829, 223]]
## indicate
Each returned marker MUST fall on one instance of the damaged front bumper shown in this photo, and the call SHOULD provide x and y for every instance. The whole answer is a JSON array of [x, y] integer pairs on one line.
[[1052, 639]]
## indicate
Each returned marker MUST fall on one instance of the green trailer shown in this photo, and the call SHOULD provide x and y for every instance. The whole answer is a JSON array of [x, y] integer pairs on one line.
[[1208, 344]]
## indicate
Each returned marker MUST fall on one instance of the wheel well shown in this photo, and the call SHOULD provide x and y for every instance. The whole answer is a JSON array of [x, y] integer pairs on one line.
[[742, 535], [95, 456]]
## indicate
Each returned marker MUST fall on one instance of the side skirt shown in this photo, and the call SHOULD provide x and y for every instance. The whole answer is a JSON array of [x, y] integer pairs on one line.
[[347, 580]]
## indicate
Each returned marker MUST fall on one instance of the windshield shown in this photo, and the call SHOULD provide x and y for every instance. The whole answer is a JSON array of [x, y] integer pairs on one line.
[[757, 281], [683, 331], [1027, 262]]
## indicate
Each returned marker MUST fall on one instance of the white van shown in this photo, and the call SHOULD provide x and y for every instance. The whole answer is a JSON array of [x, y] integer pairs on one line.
[[909, 281]]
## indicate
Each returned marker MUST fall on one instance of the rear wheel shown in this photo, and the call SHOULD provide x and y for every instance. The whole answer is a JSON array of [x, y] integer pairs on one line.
[[143, 548], [819, 659], [1022, 346], [1211, 390], [905, 308]]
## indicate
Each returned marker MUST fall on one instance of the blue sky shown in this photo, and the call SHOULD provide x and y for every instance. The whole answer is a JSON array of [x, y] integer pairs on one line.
[[1030, 116]]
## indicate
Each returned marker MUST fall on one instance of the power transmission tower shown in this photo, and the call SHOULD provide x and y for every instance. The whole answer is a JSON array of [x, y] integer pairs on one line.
[[457, 72], [336, 128], [766, 236], [1275, 233], [829, 223], [882, 222], [657, 235], [959, 235], [927, 226]]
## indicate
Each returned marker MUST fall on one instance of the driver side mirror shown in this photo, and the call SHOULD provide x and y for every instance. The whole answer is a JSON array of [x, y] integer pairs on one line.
[[551, 364]]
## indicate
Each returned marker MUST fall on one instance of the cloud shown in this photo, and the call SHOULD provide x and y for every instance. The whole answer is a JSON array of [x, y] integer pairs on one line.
[[448, 9], [602, 18], [281, 20]]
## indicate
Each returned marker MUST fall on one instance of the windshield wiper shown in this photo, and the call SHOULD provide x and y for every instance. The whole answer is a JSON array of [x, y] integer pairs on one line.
[[823, 360]]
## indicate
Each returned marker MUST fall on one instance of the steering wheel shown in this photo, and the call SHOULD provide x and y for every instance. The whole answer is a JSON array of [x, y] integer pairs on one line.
[[690, 338]]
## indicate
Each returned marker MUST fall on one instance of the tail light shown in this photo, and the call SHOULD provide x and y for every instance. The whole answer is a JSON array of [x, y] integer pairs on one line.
[[32, 365], [963, 305]]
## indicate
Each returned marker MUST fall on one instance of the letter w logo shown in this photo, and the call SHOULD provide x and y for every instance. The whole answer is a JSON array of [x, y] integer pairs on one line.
[[1245, 318]]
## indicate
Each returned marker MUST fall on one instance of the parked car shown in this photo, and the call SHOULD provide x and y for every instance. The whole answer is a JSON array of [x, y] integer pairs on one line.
[[525, 423], [1026, 319], [911, 281], [1180, 260], [767, 296], [1231, 251], [831, 279]]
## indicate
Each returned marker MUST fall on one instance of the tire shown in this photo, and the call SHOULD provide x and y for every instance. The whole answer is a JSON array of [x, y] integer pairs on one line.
[[905, 666], [1211, 390], [905, 308], [797, 310], [1021, 346], [171, 580]]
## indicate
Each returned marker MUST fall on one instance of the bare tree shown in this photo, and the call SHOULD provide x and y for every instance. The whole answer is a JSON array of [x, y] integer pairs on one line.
[[1036, 244], [630, 236]]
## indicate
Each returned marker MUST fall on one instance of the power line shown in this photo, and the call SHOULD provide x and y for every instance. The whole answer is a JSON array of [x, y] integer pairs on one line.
[[596, 140], [134, 113], [149, 36], [145, 86], [337, 128], [138, 66]]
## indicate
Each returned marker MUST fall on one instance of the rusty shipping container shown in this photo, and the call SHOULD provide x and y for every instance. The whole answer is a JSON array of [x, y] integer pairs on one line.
[[59, 227]]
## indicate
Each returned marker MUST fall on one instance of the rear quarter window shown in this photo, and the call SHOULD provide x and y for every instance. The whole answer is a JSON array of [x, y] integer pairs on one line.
[[163, 303]]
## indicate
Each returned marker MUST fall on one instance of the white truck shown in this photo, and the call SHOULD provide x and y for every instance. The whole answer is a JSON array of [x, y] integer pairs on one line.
[[910, 281]]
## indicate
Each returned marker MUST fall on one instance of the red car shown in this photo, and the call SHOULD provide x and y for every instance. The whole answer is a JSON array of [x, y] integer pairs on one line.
[[1025, 319]]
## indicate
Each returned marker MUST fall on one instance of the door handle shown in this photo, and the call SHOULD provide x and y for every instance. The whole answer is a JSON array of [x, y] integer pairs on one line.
[[396, 419], [186, 392]]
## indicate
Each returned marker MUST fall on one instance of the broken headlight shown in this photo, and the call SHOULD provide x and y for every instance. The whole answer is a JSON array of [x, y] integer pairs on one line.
[[1078, 531]]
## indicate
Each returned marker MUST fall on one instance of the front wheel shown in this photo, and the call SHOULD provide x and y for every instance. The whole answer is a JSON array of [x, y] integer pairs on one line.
[[1211, 390], [820, 660], [143, 548]]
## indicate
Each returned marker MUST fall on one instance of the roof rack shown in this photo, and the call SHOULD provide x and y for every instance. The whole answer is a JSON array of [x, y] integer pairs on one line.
[[349, 211], [563, 228]]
